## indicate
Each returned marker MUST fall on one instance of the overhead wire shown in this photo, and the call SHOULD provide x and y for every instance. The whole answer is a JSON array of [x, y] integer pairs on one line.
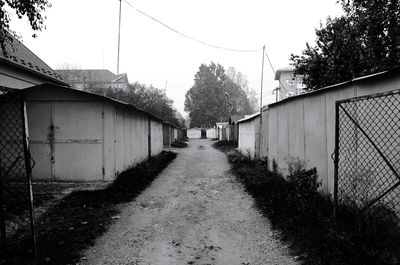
[[187, 36], [273, 70]]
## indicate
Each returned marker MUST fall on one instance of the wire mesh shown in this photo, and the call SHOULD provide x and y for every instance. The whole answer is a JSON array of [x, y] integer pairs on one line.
[[368, 143], [15, 199]]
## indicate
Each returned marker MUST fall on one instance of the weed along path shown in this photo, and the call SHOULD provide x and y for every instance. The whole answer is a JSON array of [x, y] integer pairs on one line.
[[193, 213]]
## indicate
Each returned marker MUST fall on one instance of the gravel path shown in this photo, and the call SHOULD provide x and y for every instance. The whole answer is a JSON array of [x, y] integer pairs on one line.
[[195, 212]]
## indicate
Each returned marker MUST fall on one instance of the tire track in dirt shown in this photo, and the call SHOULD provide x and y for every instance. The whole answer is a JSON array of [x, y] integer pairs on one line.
[[195, 212]]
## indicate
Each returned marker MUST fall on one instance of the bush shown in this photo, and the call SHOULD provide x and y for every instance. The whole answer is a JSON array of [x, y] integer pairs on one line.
[[179, 144], [294, 206], [77, 220]]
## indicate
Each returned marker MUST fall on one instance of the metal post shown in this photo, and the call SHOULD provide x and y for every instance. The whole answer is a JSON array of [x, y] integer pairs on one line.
[[149, 137], [119, 35], [262, 77], [261, 90], [336, 160], [28, 169], [2, 216]]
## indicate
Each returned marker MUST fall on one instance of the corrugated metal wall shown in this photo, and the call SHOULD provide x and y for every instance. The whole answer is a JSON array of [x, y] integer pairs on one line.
[[304, 126], [76, 136], [194, 133], [249, 137]]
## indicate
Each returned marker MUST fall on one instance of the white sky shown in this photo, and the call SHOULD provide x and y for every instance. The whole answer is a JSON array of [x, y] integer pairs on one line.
[[83, 33]]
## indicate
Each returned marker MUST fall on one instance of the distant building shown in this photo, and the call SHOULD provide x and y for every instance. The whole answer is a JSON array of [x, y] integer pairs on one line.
[[21, 68], [289, 83], [249, 135], [234, 132], [90, 79]]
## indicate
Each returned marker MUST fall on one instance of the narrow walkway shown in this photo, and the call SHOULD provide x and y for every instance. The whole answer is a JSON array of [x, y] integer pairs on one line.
[[195, 212]]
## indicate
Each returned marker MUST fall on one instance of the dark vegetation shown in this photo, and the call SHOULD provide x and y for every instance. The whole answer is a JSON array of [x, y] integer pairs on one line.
[[216, 94], [73, 224], [225, 145], [179, 144], [24, 9], [148, 98], [304, 217], [364, 40]]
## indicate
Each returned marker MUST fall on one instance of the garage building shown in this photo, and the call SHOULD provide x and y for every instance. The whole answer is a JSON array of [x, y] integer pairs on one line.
[[79, 136]]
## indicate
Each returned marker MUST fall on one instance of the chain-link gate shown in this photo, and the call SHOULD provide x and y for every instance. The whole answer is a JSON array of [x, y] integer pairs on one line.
[[367, 152], [16, 200]]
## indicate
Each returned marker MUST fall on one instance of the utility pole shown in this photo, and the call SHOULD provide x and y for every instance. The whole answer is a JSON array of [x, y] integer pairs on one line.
[[262, 78], [165, 87], [276, 91], [119, 35], [261, 90]]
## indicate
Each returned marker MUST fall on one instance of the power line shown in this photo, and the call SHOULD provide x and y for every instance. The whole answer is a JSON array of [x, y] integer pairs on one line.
[[273, 70], [185, 35]]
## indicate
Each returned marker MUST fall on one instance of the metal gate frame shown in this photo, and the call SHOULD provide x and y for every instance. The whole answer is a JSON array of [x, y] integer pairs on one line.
[[18, 97], [341, 110]]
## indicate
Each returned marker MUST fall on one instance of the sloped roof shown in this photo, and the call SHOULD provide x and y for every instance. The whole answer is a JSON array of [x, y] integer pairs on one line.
[[236, 117], [367, 78], [289, 68], [92, 75], [18, 55], [90, 94], [249, 117]]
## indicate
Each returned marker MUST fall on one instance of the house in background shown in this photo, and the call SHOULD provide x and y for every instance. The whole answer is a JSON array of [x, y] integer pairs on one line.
[[289, 83], [94, 79], [21, 68]]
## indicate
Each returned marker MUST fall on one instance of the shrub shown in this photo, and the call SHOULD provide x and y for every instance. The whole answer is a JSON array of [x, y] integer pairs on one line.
[[179, 144], [295, 207]]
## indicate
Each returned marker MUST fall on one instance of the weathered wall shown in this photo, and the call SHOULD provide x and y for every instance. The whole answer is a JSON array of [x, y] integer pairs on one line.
[[211, 133], [156, 137], [81, 137], [166, 134], [304, 126], [13, 77], [249, 132], [194, 133]]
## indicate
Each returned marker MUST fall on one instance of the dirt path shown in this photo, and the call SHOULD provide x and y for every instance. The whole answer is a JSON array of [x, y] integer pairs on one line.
[[193, 213]]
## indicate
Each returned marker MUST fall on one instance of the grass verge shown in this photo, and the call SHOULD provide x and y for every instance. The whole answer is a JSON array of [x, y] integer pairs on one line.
[[73, 224], [225, 145], [304, 217]]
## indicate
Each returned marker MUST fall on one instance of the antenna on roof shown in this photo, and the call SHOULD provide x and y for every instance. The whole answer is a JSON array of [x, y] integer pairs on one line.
[[119, 35]]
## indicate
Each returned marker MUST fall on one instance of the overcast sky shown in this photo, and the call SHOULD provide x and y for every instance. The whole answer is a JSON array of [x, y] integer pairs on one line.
[[83, 34]]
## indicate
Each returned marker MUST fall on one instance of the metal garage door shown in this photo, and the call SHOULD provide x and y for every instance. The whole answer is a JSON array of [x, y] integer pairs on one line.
[[67, 140]]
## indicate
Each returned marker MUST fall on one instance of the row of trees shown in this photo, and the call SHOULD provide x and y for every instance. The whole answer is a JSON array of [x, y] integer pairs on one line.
[[362, 41], [217, 94], [147, 98]]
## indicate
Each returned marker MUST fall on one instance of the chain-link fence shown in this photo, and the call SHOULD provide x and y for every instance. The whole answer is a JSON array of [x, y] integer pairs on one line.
[[16, 208], [367, 157]]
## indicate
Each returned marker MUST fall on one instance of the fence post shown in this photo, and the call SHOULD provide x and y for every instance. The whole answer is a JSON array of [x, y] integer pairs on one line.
[[336, 159], [28, 169], [2, 216]]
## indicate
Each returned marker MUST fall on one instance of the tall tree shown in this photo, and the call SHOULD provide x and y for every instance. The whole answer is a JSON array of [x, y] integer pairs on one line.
[[362, 41], [32, 10], [216, 95], [206, 101], [246, 103]]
